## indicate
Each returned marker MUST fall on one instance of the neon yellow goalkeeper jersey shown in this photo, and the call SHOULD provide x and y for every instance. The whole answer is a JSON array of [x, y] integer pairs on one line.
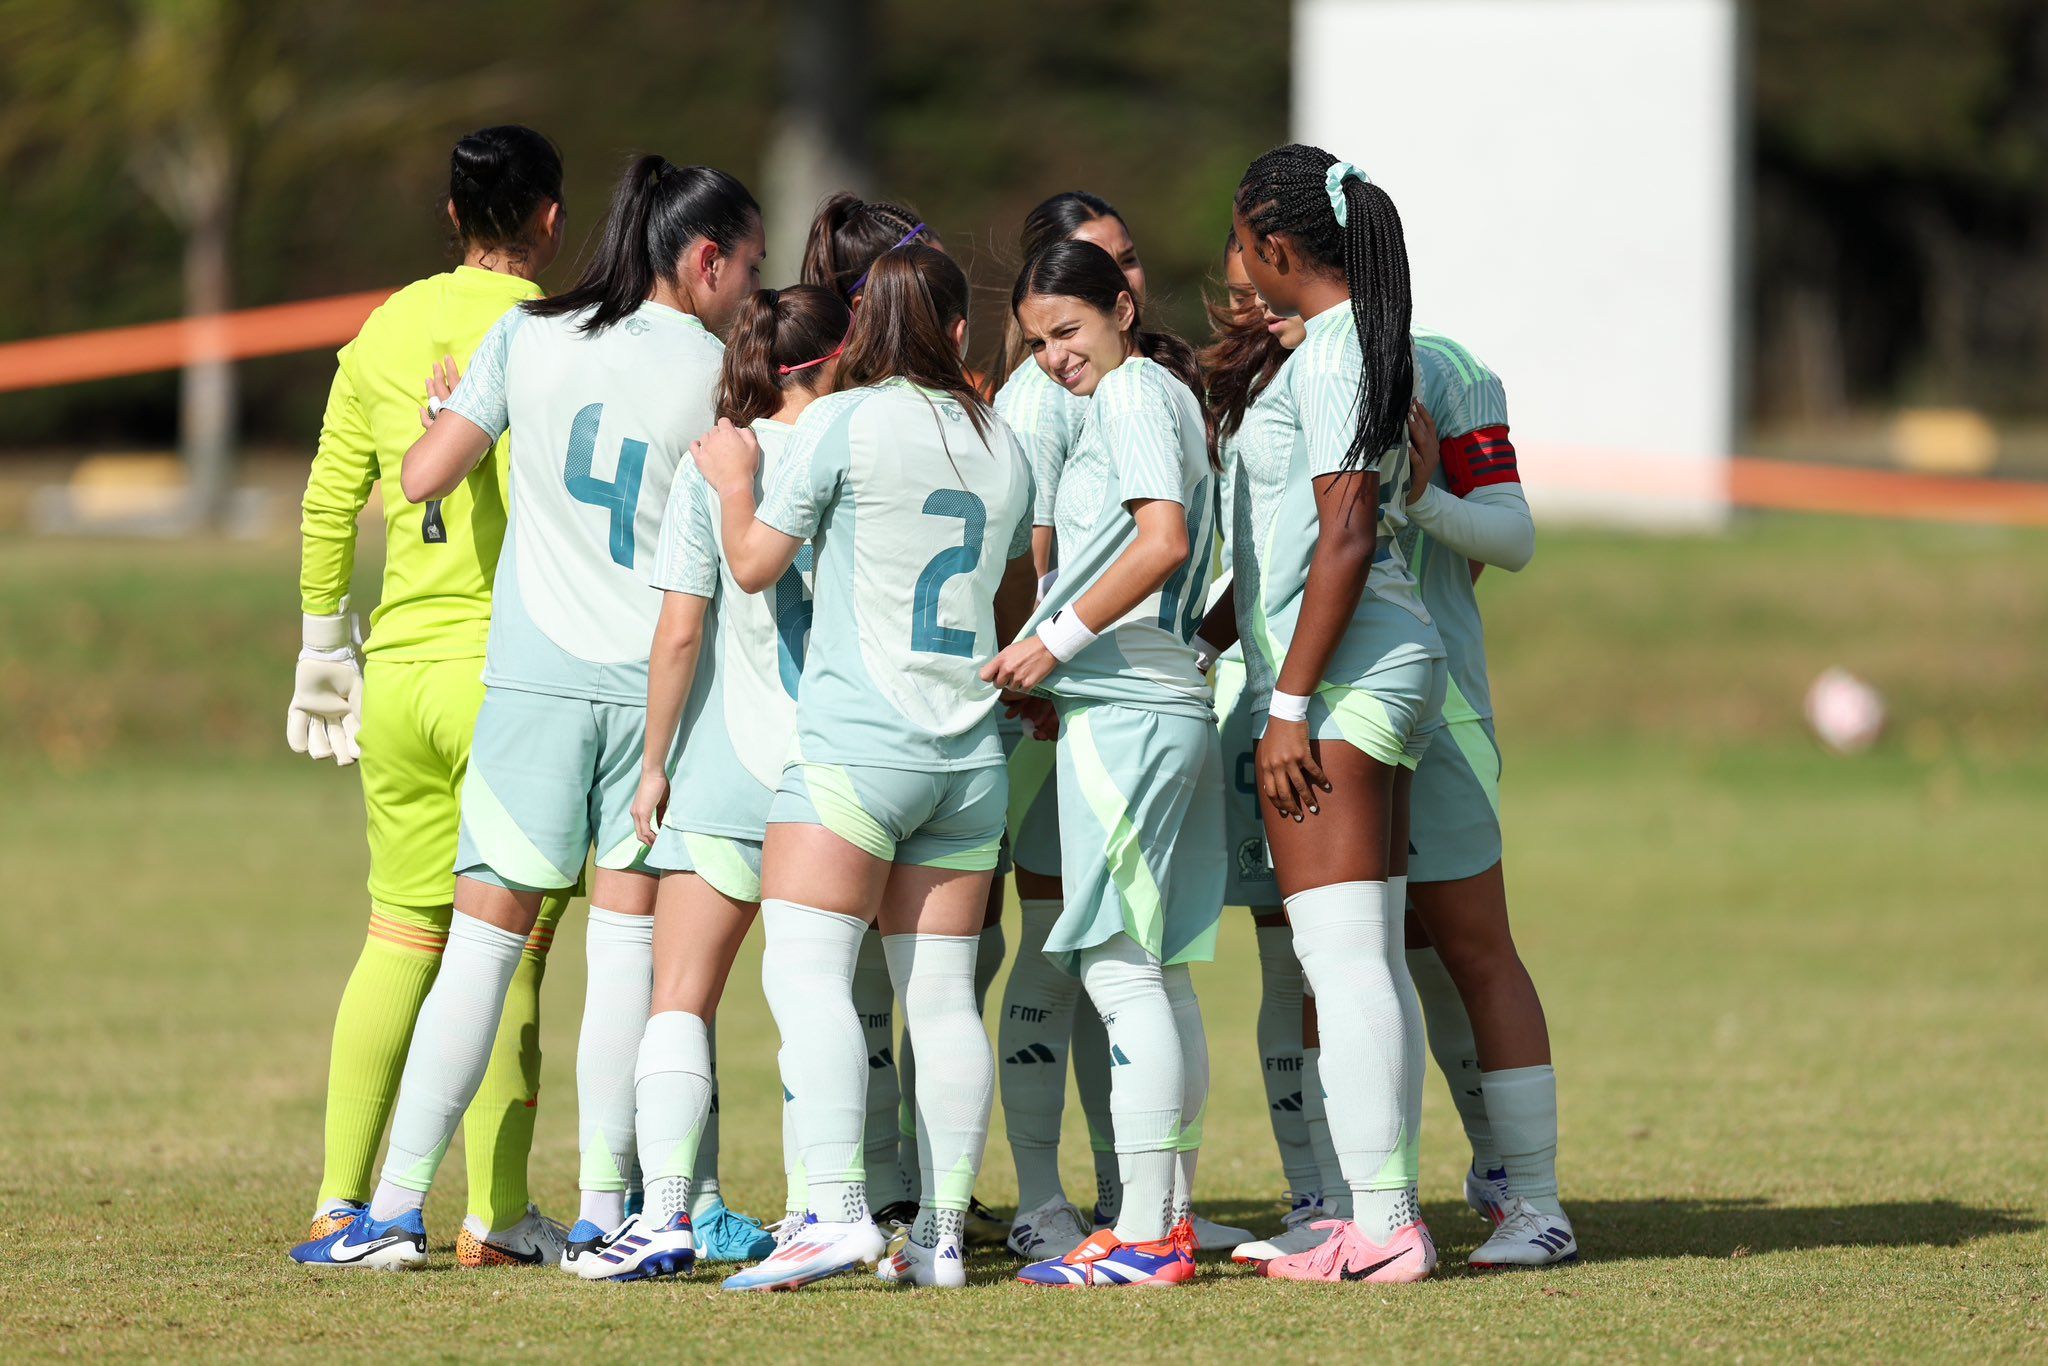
[[439, 557]]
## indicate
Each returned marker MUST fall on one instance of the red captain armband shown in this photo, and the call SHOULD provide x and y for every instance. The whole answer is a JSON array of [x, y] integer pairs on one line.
[[1479, 458]]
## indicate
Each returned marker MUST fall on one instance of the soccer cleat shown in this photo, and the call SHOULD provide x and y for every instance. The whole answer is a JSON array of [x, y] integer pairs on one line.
[[1488, 1194], [1213, 1237], [984, 1226], [639, 1250], [1527, 1237], [367, 1244], [725, 1235], [535, 1240], [1296, 1231], [1053, 1229], [896, 1214], [904, 1262], [1103, 1262], [819, 1251], [586, 1239], [333, 1218], [1346, 1254]]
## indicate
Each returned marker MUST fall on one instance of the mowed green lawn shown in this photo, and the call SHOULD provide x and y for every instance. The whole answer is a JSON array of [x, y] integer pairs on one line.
[[1799, 1003]]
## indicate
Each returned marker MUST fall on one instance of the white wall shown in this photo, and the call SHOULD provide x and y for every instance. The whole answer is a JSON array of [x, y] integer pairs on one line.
[[1567, 173]]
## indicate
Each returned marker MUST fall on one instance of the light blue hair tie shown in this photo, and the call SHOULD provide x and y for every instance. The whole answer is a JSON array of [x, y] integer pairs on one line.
[[1333, 186]]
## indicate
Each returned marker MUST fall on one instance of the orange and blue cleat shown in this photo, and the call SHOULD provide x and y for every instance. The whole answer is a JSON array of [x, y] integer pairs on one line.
[[1105, 1262]]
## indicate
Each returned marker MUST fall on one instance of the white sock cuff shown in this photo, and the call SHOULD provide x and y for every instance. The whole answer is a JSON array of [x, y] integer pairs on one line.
[[1180, 985], [927, 956], [673, 1041], [619, 928], [1338, 903], [483, 934], [791, 920]]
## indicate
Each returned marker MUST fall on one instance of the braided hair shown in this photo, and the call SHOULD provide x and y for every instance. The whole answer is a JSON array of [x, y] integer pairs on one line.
[[1285, 191]]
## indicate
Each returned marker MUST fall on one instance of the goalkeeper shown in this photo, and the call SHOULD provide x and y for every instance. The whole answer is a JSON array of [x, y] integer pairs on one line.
[[408, 712]]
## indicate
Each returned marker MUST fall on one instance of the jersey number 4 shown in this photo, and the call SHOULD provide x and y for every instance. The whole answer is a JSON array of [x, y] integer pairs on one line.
[[619, 495], [926, 635]]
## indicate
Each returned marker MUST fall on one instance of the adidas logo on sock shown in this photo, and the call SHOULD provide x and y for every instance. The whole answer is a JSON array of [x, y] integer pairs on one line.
[[1288, 1104], [1036, 1052], [881, 1060], [1117, 1058]]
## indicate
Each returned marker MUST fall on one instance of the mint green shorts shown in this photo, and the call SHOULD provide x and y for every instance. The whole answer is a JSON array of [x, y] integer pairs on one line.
[[1141, 833], [1454, 809], [902, 815], [550, 778], [1250, 881], [1389, 714], [730, 864]]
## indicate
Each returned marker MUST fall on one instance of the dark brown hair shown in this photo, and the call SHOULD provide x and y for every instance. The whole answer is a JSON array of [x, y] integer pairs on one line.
[[777, 340], [848, 235], [1237, 364], [913, 297], [498, 178], [1052, 220]]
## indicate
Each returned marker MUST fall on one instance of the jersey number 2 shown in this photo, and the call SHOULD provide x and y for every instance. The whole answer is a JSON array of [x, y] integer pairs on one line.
[[926, 635], [619, 495]]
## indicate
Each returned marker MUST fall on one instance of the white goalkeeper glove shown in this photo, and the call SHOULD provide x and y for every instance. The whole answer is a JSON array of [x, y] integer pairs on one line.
[[327, 692]]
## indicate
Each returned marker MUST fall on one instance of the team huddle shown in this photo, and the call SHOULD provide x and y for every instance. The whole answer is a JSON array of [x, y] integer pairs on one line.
[[784, 614]]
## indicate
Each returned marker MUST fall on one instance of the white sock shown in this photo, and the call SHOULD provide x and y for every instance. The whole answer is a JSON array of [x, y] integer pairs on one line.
[[797, 1199], [1521, 1102], [1279, 1034], [704, 1190], [451, 1047], [1147, 1082], [620, 952], [1414, 1037], [1032, 1041], [874, 1000], [934, 977], [1194, 1061], [1457, 1056], [1341, 935], [1090, 1055], [672, 1081], [1315, 1115], [988, 961], [807, 967]]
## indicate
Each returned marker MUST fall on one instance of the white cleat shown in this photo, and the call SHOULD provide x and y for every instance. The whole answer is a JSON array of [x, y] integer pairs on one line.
[[816, 1251], [639, 1250], [906, 1263], [1054, 1229], [1487, 1194], [1213, 1237], [1527, 1237], [535, 1240], [1296, 1233]]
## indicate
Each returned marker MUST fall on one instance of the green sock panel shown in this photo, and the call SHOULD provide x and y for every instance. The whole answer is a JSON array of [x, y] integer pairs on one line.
[[1457, 1056], [372, 1030]]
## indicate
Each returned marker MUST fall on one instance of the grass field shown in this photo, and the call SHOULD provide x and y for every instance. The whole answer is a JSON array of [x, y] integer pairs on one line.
[[1799, 1003]]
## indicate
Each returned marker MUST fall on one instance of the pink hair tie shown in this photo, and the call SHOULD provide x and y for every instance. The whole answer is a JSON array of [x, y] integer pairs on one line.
[[792, 369]]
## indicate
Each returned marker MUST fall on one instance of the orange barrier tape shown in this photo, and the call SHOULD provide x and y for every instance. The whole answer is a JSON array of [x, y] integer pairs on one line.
[[1795, 487], [114, 351]]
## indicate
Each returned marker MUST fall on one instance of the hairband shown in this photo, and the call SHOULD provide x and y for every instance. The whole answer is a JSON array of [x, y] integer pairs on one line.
[[792, 369], [1333, 186], [905, 240]]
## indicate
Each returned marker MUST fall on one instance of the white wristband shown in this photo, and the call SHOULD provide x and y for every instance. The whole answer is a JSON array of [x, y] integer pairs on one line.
[[1288, 706], [435, 407], [1205, 654], [1065, 634]]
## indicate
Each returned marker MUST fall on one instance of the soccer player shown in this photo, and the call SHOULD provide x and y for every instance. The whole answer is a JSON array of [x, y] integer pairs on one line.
[[603, 388], [705, 831], [1249, 344], [1486, 1026], [916, 498], [1345, 667], [1140, 771], [417, 694]]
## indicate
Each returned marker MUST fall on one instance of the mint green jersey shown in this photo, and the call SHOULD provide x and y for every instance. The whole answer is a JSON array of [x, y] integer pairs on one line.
[[741, 716], [914, 517], [1046, 417], [1296, 432], [599, 423], [1141, 438], [1463, 396]]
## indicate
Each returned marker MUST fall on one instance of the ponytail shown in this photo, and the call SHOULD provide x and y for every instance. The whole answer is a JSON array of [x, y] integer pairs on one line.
[[498, 178], [779, 341], [657, 211], [850, 234], [1339, 220], [904, 327], [1081, 270]]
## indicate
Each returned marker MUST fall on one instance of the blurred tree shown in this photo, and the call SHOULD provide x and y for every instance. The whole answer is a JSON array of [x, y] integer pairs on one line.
[[820, 140], [185, 94]]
